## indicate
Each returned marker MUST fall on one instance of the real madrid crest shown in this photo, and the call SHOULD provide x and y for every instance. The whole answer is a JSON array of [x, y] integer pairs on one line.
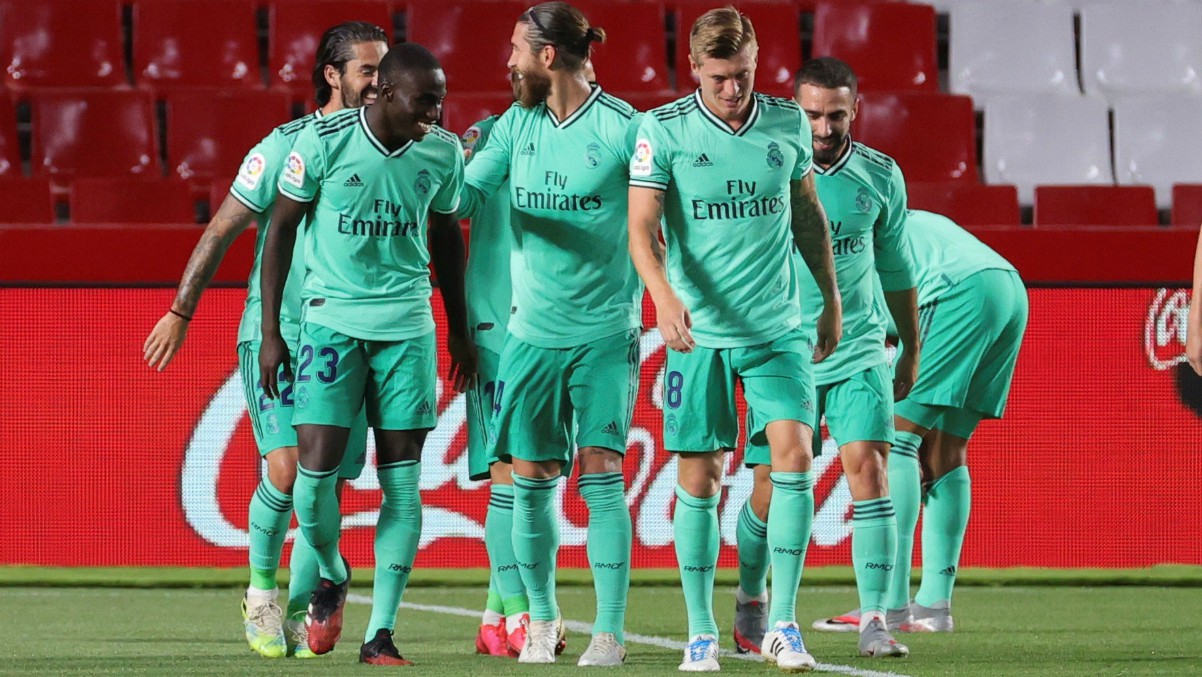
[[422, 183], [592, 156], [776, 159]]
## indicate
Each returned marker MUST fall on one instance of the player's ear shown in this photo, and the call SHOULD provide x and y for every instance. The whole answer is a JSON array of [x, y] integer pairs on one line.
[[548, 55], [333, 77]]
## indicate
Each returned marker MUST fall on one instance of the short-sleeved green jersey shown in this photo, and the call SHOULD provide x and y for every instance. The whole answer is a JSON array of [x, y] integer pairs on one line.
[[727, 213], [573, 280], [864, 196], [487, 280], [366, 247], [255, 187], [945, 254]]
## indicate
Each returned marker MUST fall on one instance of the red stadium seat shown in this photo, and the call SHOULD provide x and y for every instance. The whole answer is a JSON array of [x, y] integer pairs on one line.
[[968, 204], [210, 131], [131, 200], [10, 156], [295, 28], [1095, 206], [891, 45], [931, 135], [645, 101], [778, 31], [93, 133], [470, 39], [195, 43], [26, 200], [1187, 205], [460, 111], [61, 44], [634, 54]]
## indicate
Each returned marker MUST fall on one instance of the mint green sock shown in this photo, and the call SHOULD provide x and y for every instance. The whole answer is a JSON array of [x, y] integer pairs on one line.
[[302, 574], [873, 550], [609, 537], [398, 531], [695, 528], [316, 503], [536, 542], [905, 489], [269, 514], [751, 534], [790, 520], [498, 540], [944, 522]]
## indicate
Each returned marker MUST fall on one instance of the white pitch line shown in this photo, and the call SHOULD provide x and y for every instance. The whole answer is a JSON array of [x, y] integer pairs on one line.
[[649, 640]]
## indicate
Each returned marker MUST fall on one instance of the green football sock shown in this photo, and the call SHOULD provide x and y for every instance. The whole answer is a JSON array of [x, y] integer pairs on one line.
[[536, 542], [695, 528], [905, 489], [609, 536], [873, 550], [498, 540], [943, 525], [302, 574], [751, 534], [270, 512], [317, 512], [790, 520], [398, 531]]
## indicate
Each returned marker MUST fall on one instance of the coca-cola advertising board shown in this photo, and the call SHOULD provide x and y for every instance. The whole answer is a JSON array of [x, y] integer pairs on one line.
[[107, 462]]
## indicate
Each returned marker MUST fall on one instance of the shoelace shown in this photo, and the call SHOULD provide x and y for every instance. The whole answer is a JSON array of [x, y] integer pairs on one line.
[[265, 614], [699, 649], [793, 636], [603, 643]]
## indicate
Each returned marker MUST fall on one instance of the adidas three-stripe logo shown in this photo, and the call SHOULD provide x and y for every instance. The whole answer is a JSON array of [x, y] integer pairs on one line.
[[354, 182], [610, 429], [702, 160]]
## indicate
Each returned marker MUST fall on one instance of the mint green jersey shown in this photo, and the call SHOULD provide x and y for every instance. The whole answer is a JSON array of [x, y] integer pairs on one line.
[[255, 187], [573, 280], [945, 254], [368, 275], [487, 278], [864, 196], [727, 213]]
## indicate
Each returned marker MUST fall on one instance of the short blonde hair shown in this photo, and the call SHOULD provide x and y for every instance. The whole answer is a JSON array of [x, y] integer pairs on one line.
[[720, 34]]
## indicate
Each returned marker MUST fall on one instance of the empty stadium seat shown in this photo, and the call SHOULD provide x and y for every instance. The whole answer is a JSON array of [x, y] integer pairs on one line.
[[470, 39], [1187, 205], [645, 101], [61, 44], [931, 135], [634, 54], [1012, 48], [778, 32], [1133, 48], [1158, 141], [295, 28], [1095, 206], [968, 204], [195, 43], [1047, 140], [93, 133], [26, 200], [210, 131], [460, 111], [891, 45], [10, 156], [131, 200]]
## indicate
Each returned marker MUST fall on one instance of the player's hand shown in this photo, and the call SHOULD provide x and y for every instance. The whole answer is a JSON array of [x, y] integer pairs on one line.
[[1193, 345], [905, 375], [830, 329], [273, 354], [164, 341], [464, 362], [675, 324]]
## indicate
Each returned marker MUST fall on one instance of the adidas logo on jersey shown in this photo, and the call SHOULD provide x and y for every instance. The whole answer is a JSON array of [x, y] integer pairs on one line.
[[610, 429], [424, 408], [354, 182], [702, 160], [528, 150]]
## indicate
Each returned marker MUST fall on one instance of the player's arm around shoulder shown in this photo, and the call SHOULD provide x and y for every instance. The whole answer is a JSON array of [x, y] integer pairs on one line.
[[489, 163]]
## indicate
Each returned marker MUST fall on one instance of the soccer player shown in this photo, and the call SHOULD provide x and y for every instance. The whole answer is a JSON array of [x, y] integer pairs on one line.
[[344, 77], [972, 309], [864, 195], [572, 354], [728, 170], [370, 179]]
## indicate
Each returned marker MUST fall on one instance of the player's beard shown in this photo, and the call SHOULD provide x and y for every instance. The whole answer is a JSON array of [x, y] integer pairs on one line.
[[353, 99], [532, 89], [828, 156]]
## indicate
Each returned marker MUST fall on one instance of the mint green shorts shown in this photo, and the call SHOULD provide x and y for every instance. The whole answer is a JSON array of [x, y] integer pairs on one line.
[[480, 402], [700, 414], [540, 392], [337, 376], [971, 338], [271, 420], [857, 409]]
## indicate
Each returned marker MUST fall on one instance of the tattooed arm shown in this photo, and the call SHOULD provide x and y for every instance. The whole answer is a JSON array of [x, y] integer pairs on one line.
[[813, 239]]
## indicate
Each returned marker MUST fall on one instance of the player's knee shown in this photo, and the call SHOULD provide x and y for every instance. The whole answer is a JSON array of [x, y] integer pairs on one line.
[[281, 469], [792, 457], [700, 475], [594, 460], [500, 473]]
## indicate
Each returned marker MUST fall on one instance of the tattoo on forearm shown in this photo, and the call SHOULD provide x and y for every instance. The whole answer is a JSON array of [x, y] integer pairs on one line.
[[202, 265], [812, 237]]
